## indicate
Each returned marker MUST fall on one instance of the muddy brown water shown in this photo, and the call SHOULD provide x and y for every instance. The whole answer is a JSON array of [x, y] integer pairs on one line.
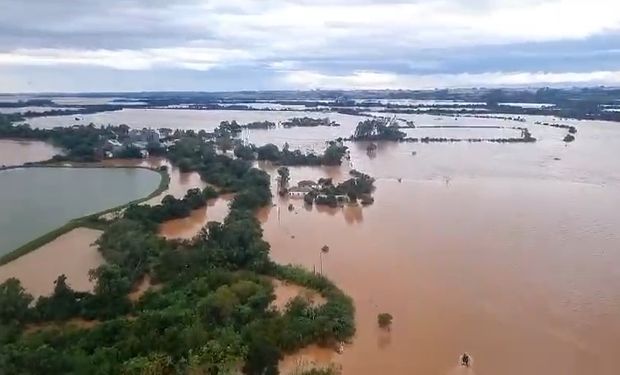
[[536, 282], [505, 251], [18, 152], [72, 254]]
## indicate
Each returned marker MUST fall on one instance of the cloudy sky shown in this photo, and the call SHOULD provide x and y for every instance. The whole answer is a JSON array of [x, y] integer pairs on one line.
[[214, 45]]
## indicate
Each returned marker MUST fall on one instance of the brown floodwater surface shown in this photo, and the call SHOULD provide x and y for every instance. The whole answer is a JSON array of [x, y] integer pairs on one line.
[[72, 254], [537, 282], [18, 152], [188, 227], [506, 251]]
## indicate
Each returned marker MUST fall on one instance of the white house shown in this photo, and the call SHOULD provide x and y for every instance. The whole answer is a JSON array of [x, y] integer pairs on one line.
[[298, 191]]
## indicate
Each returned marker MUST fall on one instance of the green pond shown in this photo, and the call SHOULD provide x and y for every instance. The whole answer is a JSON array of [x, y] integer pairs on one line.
[[34, 201]]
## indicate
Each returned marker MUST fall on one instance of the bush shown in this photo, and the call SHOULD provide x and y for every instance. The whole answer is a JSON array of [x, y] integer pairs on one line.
[[384, 320]]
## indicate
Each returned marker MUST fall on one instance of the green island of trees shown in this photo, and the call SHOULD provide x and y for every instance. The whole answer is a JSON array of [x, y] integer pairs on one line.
[[211, 312], [359, 187], [332, 155], [377, 129], [308, 122]]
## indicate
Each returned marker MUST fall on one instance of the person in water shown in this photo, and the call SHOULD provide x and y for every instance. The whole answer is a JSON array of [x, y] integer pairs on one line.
[[465, 360]]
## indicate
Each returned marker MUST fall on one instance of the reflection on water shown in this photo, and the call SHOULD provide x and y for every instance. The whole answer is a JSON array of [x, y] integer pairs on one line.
[[72, 254], [18, 152]]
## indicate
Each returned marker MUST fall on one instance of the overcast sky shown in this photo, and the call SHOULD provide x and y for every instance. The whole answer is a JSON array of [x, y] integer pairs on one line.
[[215, 45]]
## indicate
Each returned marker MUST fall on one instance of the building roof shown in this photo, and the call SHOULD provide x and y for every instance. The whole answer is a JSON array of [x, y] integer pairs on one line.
[[305, 183], [299, 189]]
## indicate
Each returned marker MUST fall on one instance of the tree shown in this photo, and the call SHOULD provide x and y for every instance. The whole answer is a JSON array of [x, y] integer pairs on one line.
[[14, 302], [185, 165], [245, 152], [111, 282], [220, 305], [268, 152], [262, 358], [154, 364], [384, 320], [210, 193], [377, 129], [195, 198], [284, 174], [61, 305], [333, 154]]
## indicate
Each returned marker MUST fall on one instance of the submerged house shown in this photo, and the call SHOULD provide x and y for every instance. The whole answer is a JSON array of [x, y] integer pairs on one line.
[[299, 191]]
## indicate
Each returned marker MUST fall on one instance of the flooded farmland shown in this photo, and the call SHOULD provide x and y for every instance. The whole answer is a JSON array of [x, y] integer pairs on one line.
[[501, 250]]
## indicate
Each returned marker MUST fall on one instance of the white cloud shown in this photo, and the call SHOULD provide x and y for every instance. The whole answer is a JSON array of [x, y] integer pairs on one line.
[[382, 80], [186, 57], [307, 38]]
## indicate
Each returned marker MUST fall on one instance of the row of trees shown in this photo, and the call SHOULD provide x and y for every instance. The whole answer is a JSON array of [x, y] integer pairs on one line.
[[308, 122], [332, 155]]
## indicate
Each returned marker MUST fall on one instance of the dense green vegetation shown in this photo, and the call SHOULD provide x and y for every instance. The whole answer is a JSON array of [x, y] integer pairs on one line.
[[377, 129], [359, 187], [81, 143], [308, 122], [332, 155], [212, 314], [78, 141], [260, 125]]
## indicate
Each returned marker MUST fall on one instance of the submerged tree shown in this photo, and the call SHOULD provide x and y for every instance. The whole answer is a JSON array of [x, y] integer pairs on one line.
[[385, 320]]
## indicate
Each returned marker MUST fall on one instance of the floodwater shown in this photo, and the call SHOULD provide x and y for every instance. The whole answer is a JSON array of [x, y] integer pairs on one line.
[[505, 251], [180, 182], [177, 118], [285, 292], [72, 254], [18, 152], [538, 281], [501, 250], [188, 227], [34, 201]]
